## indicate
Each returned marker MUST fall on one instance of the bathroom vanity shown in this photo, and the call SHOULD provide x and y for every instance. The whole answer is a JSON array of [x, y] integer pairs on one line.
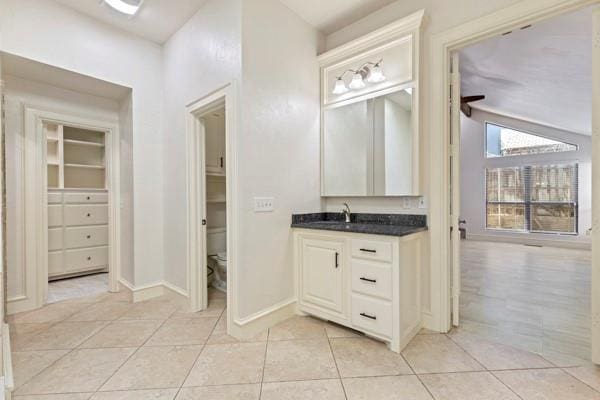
[[365, 274]]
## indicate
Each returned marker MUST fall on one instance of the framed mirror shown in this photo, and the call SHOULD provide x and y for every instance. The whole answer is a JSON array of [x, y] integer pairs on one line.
[[369, 146]]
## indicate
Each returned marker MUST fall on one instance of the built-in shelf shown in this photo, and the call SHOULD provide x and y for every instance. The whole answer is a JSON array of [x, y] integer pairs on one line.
[[216, 200], [52, 139], [54, 163], [84, 166], [83, 143]]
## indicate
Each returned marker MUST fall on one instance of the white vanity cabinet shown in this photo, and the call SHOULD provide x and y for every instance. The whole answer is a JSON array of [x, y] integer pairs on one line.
[[214, 130], [370, 283]]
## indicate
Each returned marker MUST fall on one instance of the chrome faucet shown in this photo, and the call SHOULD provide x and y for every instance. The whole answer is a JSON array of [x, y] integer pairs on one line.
[[346, 212]]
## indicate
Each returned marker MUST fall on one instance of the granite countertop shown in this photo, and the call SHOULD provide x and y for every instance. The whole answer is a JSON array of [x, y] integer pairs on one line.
[[374, 224]]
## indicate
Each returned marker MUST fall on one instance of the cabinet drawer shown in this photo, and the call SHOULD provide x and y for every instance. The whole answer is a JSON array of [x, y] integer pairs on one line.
[[86, 258], [86, 215], [372, 315], [101, 198], [55, 263], [87, 236], [55, 239], [372, 250], [373, 279], [55, 215], [55, 198]]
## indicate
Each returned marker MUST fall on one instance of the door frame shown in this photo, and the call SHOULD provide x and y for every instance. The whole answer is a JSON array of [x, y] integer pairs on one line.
[[34, 175], [195, 196], [442, 45]]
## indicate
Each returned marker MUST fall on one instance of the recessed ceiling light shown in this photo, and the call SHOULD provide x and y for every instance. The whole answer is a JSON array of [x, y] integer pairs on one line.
[[128, 7]]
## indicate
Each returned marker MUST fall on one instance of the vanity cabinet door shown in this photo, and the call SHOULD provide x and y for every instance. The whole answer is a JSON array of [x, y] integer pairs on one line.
[[214, 131], [322, 274]]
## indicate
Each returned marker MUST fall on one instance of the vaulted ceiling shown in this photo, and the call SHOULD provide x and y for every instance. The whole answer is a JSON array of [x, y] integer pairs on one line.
[[542, 73]]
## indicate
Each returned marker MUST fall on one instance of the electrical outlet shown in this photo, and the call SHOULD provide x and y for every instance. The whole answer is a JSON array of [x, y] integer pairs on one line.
[[422, 202], [263, 204]]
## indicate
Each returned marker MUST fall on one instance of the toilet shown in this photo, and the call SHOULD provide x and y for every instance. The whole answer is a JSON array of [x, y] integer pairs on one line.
[[216, 249]]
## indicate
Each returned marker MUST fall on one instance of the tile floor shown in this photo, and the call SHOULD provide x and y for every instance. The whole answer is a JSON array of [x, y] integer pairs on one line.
[[105, 348], [534, 298], [81, 286]]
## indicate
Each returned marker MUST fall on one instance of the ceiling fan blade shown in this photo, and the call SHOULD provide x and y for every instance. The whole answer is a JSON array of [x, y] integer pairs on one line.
[[469, 99]]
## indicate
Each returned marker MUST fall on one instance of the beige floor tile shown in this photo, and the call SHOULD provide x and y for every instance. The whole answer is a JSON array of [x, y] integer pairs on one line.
[[496, 356], [225, 364], [324, 389], [562, 359], [335, 331], [50, 313], [64, 335], [467, 386], [215, 308], [299, 360], [108, 311], [298, 328], [21, 334], [220, 336], [124, 295], [425, 331], [154, 368], [547, 384], [79, 371], [150, 309], [130, 333], [437, 353], [160, 394], [386, 388], [589, 374], [214, 294], [179, 331], [73, 396], [229, 392], [27, 364], [356, 357]]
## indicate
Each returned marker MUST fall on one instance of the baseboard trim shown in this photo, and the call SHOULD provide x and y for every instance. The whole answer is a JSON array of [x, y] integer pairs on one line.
[[252, 325], [568, 244], [428, 322], [8, 378], [152, 290], [19, 304]]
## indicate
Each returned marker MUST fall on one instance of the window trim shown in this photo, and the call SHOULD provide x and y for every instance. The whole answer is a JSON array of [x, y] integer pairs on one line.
[[485, 141], [528, 202]]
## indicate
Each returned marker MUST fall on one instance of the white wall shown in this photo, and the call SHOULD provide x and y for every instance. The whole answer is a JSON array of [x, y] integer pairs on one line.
[[19, 92], [474, 163], [278, 148], [50, 33], [204, 55]]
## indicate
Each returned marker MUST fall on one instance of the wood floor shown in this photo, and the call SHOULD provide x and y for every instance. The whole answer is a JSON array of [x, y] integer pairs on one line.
[[534, 298]]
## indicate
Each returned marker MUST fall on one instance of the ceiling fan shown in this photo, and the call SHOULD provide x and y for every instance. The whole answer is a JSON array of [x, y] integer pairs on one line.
[[464, 103]]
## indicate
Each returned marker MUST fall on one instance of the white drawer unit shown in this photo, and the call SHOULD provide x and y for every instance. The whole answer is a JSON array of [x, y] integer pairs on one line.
[[89, 258], [372, 249], [86, 236], [78, 232], [76, 215], [86, 198], [372, 315], [373, 279], [55, 215], [370, 283]]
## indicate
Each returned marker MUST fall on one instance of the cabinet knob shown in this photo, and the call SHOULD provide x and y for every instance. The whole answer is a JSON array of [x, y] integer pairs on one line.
[[89, 215], [89, 258], [89, 236], [88, 197]]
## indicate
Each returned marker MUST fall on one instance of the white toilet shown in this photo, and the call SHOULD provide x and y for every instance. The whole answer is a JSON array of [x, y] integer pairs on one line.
[[216, 248]]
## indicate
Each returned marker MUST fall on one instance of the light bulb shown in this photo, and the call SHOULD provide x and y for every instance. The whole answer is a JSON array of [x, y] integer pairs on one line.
[[357, 81], [340, 86], [376, 75]]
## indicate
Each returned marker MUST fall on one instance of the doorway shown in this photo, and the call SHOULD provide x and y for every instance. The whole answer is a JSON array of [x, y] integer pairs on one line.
[[444, 264]]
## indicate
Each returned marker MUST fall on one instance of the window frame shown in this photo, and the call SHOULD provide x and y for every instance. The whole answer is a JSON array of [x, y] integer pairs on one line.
[[527, 132]]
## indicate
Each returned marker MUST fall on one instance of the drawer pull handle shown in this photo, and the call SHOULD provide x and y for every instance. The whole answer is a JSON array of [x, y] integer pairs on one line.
[[337, 255], [89, 215], [373, 317], [88, 197], [89, 236], [89, 258], [369, 250], [362, 278]]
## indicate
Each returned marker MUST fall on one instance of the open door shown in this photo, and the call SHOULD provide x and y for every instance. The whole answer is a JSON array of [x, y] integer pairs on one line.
[[455, 185], [596, 188], [203, 238]]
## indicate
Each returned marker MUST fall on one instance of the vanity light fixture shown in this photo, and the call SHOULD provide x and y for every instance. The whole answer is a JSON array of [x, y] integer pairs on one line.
[[369, 71], [127, 7]]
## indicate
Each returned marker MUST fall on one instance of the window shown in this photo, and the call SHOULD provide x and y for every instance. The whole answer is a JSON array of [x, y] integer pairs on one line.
[[540, 198], [503, 142]]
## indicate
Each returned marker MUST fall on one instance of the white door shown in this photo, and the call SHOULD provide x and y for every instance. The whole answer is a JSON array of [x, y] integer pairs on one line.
[[596, 189], [203, 253], [455, 186], [322, 274]]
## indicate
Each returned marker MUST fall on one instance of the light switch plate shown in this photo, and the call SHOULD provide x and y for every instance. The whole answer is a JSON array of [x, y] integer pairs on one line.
[[263, 204]]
